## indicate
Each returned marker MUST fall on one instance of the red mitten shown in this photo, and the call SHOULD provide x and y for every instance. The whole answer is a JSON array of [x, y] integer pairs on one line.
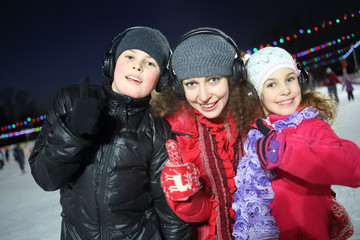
[[179, 180], [341, 227]]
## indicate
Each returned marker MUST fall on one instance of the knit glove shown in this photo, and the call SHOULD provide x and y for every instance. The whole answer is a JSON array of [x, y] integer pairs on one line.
[[82, 120], [179, 180], [341, 227], [271, 147]]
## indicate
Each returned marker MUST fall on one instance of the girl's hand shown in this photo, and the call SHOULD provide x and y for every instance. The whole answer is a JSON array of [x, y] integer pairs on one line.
[[271, 147]]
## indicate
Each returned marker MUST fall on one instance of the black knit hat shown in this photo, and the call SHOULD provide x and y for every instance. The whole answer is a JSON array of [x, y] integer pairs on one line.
[[149, 40]]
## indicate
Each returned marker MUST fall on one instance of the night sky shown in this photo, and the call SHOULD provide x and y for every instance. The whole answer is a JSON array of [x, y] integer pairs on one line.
[[45, 45]]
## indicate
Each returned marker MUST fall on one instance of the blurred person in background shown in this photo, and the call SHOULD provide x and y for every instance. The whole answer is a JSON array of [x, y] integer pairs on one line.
[[330, 80]]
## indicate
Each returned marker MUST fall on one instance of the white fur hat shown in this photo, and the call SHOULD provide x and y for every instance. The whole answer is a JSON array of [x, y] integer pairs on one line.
[[265, 62], [328, 70]]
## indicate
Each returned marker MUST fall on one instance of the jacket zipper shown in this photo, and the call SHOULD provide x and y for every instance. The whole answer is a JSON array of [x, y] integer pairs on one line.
[[104, 230]]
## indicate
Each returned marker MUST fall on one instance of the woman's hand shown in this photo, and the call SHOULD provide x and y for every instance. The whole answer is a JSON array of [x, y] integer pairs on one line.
[[179, 180]]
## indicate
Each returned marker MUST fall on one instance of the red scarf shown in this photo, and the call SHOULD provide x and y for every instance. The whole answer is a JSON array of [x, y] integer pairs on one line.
[[214, 148]]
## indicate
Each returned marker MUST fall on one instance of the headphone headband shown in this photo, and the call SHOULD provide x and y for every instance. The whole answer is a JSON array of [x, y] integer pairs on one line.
[[120, 36], [212, 31], [238, 68], [109, 63]]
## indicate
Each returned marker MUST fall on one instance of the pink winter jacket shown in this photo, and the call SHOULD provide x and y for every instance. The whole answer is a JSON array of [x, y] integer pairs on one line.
[[315, 158]]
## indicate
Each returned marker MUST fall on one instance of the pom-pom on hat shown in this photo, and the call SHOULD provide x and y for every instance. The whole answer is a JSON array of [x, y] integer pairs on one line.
[[265, 62], [203, 55], [328, 70], [149, 40]]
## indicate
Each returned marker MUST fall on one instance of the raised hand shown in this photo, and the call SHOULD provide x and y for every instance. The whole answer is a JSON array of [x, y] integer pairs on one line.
[[82, 120], [179, 180], [271, 147]]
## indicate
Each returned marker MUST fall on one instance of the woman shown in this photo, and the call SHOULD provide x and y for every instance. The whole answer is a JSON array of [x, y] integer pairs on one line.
[[209, 108]]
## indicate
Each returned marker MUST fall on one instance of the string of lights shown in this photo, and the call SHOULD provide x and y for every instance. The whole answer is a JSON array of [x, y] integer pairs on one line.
[[22, 123], [19, 133], [322, 46], [336, 59], [324, 56], [301, 31]]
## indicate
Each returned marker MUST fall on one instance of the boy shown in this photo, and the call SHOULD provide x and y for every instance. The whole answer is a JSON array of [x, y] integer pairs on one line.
[[105, 152]]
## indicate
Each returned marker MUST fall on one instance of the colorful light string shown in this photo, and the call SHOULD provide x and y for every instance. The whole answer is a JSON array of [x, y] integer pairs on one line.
[[336, 59], [19, 133], [351, 49], [322, 46], [301, 31], [22, 123], [324, 56]]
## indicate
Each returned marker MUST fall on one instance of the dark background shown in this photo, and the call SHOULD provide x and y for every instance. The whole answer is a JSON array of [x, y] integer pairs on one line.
[[46, 44]]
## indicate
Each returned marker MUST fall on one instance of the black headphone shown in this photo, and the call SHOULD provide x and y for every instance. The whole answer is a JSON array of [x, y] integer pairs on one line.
[[303, 77], [238, 68], [109, 63]]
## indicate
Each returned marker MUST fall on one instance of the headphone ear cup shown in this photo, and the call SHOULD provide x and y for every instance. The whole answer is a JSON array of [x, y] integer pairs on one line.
[[238, 70], [176, 85], [163, 81], [178, 89], [108, 65], [303, 77]]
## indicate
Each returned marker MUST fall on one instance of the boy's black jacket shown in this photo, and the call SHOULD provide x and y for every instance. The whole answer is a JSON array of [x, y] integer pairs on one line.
[[110, 183]]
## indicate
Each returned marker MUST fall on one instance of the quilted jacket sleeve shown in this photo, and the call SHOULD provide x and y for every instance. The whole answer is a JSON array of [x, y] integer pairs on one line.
[[196, 209], [172, 226], [317, 155], [56, 154]]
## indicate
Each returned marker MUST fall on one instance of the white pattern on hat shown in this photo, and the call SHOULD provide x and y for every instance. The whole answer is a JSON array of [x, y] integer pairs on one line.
[[265, 62]]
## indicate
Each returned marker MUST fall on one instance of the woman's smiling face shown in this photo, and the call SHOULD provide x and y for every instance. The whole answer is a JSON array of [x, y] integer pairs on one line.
[[208, 95]]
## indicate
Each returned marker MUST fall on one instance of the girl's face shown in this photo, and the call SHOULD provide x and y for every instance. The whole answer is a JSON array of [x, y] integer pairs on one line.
[[281, 93], [208, 95], [136, 74]]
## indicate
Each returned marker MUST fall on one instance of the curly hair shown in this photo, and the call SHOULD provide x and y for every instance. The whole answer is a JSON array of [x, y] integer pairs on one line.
[[326, 106], [243, 104]]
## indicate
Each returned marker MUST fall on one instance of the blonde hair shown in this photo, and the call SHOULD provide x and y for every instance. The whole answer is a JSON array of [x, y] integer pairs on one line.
[[326, 106], [243, 104]]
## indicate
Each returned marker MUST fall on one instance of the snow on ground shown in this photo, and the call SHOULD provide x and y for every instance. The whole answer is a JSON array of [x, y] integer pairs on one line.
[[29, 213]]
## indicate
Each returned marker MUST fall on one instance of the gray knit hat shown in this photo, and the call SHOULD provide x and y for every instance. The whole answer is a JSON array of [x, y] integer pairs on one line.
[[265, 62], [203, 55], [149, 40]]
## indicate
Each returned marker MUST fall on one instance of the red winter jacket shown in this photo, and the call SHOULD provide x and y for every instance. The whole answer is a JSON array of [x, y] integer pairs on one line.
[[331, 80], [315, 158], [209, 210]]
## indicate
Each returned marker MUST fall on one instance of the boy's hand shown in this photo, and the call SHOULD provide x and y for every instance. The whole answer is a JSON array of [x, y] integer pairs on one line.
[[179, 180], [271, 147], [82, 120]]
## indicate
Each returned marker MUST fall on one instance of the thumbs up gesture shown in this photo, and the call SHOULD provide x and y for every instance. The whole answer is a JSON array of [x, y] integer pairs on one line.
[[82, 120], [179, 180]]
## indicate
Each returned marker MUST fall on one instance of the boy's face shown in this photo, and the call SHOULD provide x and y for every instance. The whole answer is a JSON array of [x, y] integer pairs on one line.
[[136, 74], [208, 95], [281, 93]]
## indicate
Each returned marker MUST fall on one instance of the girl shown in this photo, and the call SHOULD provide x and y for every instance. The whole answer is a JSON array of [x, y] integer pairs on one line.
[[209, 111], [348, 84], [300, 153]]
